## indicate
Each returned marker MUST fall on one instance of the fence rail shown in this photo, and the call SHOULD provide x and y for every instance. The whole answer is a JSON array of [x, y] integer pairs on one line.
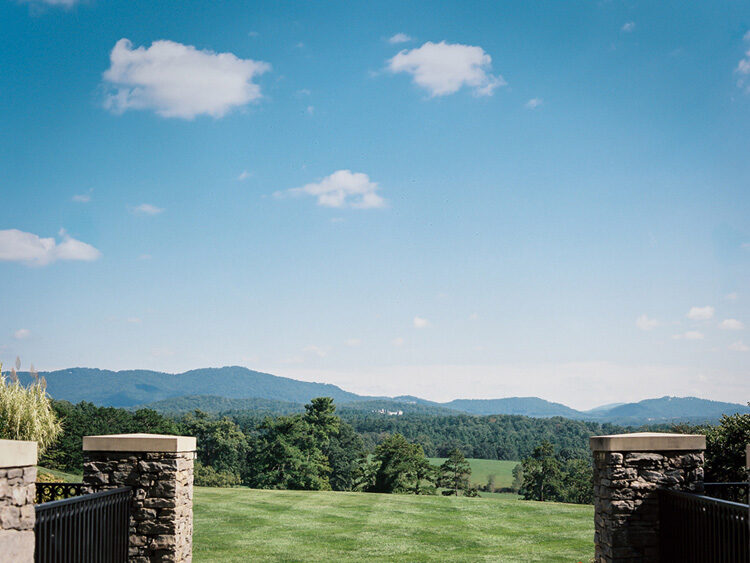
[[699, 529], [736, 491], [89, 527], [46, 492]]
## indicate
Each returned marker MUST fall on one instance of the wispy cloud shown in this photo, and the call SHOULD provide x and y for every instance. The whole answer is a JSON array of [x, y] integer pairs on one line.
[[315, 350], [22, 334], [444, 68], [420, 322], [19, 246], [61, 3], [244, 175], [743, 69], [689, 335], [177, 80], [731, 324], [353, 342], [533, 103], [701, 313], [399, 38], [147, 209], [83, 198], [628, 27], [398, 342], [343, 188], [739, 347], [731, 296], [645, 323]]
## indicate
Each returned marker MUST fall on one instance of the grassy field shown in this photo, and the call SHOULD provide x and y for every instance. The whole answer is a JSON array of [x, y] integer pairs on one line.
[[233, 525], [66, 477], [483, 468]]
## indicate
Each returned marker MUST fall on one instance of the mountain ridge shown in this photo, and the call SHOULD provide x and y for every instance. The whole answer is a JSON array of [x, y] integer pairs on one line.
[[236, 387]]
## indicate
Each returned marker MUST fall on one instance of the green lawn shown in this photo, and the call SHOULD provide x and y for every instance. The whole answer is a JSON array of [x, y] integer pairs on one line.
[[483, 468], [253, 525]]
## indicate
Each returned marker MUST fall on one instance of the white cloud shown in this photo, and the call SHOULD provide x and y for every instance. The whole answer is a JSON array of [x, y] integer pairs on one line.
[[739, 347], [419, 322], [343, 188], [398, 342], [399, 38], [177, 80], [353, 342], [731, 296], [310, 110], [731, 324], [244, 175], [147, 209], [628, 27], [444, 68], [701, 313], [689, 335], [63, 3], [743, 69], [645, 323], [533, 103], [18, 246], [22, 334], [311, 349], [83, 198]]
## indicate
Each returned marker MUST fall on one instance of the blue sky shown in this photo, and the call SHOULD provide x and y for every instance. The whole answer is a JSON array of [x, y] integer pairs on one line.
[[453, 200]]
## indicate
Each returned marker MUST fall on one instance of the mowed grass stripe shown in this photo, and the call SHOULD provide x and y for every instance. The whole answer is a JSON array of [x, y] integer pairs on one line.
[[252, 525]]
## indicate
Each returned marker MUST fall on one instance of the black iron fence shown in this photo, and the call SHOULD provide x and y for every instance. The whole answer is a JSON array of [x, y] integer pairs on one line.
[[734, 491], [700, 529], [89, 527], [46, 492]]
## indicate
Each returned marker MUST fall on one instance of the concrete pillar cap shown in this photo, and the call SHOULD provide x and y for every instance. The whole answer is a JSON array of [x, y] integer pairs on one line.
[[647, 442], [17, 453], [138, 443]]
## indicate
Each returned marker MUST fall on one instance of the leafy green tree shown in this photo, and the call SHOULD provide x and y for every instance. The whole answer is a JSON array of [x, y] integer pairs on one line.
[[517, 477], [86, 419], [286, 455], [541, 474], [207, 476], [725, 448], [344, 450], [425, 476], [220, 442], [319, 414], [455, 473], [397, 465], [577, 482]]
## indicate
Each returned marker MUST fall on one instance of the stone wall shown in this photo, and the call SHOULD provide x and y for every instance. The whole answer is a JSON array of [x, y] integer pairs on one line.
[[17, 492], [161, 515], [625, 489]]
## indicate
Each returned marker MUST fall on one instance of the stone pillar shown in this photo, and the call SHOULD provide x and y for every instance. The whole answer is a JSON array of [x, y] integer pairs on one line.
[[17, 492], [160, 470], [628, 470]]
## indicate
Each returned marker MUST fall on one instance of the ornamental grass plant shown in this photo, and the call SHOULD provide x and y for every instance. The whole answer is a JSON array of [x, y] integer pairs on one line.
[[26, 411]]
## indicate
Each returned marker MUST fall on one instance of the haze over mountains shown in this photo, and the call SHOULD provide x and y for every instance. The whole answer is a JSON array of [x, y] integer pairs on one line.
[[238, 388]]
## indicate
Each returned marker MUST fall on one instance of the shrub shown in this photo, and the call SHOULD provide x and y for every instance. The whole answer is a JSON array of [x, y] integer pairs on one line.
[[207, 476], [26, 412]]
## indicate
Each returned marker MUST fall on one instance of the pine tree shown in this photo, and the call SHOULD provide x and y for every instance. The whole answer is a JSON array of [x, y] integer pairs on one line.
[[455, 473]]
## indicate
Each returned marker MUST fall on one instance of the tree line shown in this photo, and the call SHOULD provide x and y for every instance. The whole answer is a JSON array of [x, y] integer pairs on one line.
[[320, 450]]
